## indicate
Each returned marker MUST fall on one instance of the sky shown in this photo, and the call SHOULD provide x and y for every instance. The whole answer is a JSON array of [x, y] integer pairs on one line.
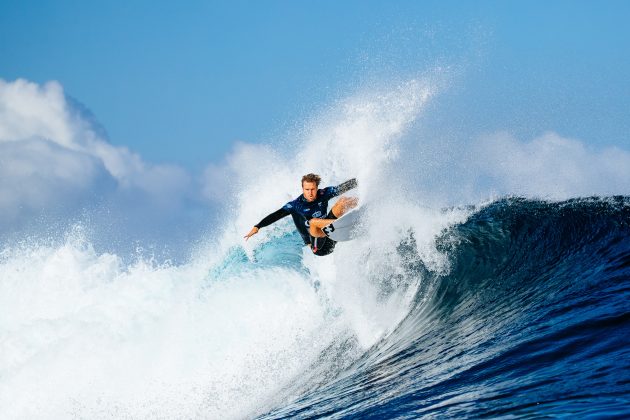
[[140, 115], [181, 83]]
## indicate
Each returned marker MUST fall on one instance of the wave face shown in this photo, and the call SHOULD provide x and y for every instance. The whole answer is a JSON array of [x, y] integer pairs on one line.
[[532, 318], [516, 308]]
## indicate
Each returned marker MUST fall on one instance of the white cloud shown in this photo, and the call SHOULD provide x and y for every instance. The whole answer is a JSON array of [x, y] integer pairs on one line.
[[52, 156], [28, 110], [36, 174], [442, 172], [551, 166]]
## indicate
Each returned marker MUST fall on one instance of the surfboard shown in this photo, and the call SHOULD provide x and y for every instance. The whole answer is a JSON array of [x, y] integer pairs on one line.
[[347, 227]]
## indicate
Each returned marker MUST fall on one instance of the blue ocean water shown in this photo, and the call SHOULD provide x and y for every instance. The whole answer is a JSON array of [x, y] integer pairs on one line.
[[531, 320]]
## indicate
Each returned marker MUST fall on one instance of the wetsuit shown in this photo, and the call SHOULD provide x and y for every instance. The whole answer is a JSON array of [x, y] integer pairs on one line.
[[302, 211]]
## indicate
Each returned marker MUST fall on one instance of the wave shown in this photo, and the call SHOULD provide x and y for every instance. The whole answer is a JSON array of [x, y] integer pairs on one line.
[[517, 307], [531, 318], [514, 307]]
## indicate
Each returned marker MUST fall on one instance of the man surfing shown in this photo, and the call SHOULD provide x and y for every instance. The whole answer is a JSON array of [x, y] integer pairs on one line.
[[309, 212]]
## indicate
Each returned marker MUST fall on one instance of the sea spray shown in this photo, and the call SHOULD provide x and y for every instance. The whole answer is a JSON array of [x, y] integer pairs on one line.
[[234, 331]]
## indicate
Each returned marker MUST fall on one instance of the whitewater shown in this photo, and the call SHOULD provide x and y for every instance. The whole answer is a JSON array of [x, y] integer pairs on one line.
[[511, 300]]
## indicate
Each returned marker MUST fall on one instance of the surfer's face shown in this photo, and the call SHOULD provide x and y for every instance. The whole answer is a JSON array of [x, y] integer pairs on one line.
[[310, 190]]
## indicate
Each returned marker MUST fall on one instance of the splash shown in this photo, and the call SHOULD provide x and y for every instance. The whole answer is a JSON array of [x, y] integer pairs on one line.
[[238, 328]]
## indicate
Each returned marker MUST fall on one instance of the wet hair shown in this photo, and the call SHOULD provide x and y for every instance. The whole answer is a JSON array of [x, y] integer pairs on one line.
[[311, 178]]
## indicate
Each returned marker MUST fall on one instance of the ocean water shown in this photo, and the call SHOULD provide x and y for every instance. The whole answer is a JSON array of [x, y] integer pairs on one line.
[[507, 306], [532, 319]]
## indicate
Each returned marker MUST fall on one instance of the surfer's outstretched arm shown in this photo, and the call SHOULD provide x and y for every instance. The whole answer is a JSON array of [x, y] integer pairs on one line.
[[272, 218], [347, 186]]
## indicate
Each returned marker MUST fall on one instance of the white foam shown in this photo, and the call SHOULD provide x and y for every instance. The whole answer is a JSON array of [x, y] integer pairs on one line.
[[83, 334]]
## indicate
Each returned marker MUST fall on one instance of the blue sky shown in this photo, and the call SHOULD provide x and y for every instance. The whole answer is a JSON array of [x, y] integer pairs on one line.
[[180, 83]]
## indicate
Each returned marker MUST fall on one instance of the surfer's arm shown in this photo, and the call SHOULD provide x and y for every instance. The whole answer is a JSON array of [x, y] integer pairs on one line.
[[347, 186], [272, 218], [330, 192]]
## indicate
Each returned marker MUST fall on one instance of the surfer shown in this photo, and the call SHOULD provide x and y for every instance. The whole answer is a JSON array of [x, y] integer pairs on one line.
[[309, 212]]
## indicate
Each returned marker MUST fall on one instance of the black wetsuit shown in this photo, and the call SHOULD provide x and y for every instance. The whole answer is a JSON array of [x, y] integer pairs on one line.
[[302, 211]]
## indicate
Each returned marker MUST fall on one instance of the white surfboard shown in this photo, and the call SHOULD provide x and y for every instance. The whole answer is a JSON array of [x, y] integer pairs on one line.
[[347, 227]]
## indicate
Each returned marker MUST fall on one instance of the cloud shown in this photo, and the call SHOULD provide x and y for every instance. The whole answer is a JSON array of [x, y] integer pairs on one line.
[[245, 164], [449, 171], [37, 174], [28, 110], [551, 166], [55, 158]]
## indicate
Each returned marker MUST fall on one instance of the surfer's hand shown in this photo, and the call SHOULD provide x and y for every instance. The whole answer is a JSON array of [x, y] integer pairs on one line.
[[251, 233]]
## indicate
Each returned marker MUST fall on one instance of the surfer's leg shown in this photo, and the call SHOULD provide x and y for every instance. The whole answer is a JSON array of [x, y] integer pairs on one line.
[[344, 204], [316, 226]]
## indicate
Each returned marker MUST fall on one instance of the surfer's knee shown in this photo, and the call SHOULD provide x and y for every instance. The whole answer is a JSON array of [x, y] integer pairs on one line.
[[315, 231]]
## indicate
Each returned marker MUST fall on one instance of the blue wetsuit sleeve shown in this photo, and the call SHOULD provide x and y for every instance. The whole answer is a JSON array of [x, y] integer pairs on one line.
[[347, 186], [273, 217], [330, 192]]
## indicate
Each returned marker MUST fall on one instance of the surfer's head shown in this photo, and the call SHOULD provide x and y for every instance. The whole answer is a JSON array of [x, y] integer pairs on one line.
[[310, 182]]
